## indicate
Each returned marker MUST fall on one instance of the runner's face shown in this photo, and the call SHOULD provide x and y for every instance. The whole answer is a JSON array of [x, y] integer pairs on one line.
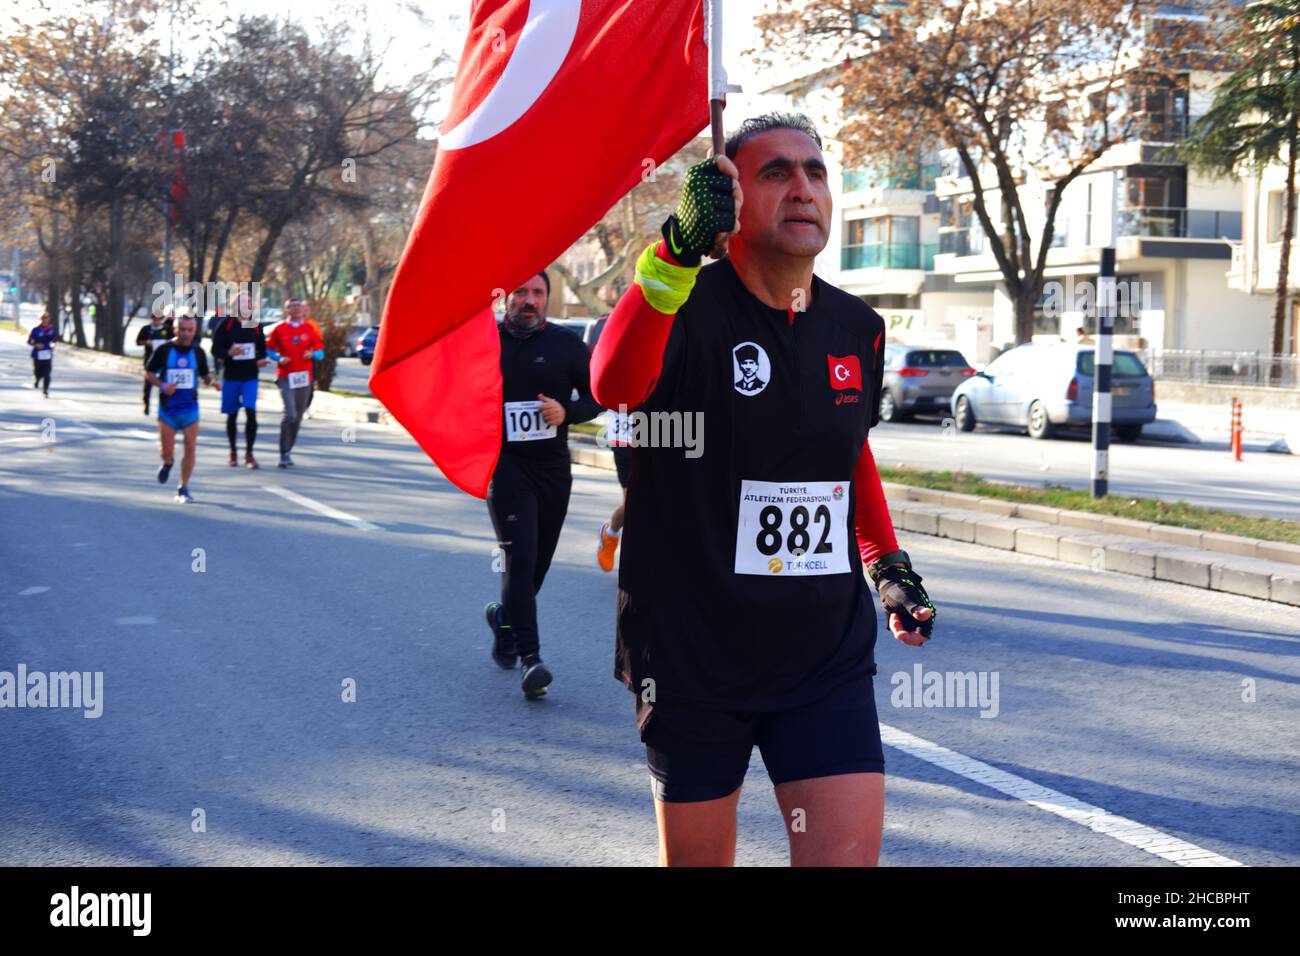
[[527, 304], [787, 208], [296, 313], [185, 332]]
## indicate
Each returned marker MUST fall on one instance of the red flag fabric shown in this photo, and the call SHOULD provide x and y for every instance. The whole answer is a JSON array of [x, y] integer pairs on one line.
[[556, 108], [180, 190]]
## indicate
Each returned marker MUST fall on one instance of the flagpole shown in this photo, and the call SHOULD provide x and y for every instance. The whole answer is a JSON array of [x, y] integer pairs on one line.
[[717, 74]]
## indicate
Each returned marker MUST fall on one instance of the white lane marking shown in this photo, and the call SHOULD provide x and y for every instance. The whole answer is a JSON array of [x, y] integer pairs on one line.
[[74, 404], [10, 441], [147, 436], [138, 619], [1128, 831], [321, 509], [35, 589], [88, 427]]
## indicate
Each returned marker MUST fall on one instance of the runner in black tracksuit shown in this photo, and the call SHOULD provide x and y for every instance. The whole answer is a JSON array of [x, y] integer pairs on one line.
[[159, 330], [541, 365]]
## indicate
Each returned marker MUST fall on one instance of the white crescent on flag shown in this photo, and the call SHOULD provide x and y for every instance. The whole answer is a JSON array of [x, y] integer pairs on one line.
[[539, 53]]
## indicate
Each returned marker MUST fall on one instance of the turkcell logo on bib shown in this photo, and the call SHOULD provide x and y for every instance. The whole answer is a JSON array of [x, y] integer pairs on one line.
[[792, 528]]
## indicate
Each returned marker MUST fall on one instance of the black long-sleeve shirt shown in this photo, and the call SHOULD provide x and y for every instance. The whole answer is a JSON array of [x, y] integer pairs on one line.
[[553, 362], [230, 333]]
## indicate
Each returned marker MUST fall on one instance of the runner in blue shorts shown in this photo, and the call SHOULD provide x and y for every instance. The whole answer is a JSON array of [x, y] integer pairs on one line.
[[176, 369], [240, 342]]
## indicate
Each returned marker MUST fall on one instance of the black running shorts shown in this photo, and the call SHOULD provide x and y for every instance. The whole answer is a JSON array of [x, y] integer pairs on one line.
[[696, 753]]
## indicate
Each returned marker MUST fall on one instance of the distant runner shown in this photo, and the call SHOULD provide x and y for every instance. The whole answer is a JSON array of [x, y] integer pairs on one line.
[[42, 339], [176, 368], [240, 341], [293, 346], [159, 330]]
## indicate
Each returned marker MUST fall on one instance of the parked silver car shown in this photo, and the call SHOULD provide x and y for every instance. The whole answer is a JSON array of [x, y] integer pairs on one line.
[[920, 379], [1045, 387]]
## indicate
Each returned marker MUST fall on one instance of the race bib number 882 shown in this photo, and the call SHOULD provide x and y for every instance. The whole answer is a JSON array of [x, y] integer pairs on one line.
[[793, 528]]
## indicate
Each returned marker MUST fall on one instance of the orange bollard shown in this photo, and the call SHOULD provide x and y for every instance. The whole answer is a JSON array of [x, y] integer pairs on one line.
[[1236, 430]]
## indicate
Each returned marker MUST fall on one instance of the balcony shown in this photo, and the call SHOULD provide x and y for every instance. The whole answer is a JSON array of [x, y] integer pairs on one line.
[[1164, 222], [920, 177], [882, 256], [1162, 127]]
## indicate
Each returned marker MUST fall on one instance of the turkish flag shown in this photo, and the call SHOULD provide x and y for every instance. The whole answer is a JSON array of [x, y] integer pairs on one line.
[[845, 372], [556, 108]]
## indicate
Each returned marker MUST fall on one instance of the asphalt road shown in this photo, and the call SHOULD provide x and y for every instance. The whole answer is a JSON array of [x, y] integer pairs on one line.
[[1262, 483], [223, 687]]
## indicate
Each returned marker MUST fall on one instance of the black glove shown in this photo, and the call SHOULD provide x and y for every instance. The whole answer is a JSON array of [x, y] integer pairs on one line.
[[901, 592], [707, 207]]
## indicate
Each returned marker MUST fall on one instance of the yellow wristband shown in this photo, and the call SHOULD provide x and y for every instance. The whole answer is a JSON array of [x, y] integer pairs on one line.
[[666, 287]]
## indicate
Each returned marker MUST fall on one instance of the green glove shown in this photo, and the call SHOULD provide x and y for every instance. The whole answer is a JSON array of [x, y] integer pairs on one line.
[[707, 207], [901, 592]]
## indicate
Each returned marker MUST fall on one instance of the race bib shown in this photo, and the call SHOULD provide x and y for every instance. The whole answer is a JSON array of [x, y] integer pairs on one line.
[[180, 377], [44, 354], [793, 528], [299, 379], [619, 431], [242, 351], [524, 422]]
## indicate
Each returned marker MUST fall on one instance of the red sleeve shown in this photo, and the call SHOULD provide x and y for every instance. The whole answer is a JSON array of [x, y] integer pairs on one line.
[[629, 354], [871, 516]]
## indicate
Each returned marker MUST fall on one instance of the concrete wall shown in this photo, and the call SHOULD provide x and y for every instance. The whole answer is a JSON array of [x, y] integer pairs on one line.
[[1213, 316]]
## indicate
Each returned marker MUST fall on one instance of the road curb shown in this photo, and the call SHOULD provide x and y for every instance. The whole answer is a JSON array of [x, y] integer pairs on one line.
[[1086, 521]]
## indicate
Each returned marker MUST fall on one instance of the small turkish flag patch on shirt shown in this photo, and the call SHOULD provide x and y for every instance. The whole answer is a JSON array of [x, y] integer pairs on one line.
[[846, 372]]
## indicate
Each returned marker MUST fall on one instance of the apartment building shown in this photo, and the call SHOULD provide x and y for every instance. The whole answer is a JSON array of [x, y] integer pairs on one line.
[[1256, 257], [1172, 230]]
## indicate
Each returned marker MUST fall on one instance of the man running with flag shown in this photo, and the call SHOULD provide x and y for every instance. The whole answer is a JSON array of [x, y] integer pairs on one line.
[[743, 615]]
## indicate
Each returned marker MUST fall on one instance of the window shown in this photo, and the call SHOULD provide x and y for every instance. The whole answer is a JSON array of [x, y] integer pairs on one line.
[[1277, 216], [936, 358], [888, 242], [1123, 365]]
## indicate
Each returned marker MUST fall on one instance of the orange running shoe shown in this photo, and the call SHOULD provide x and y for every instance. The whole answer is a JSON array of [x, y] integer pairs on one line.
[[606, 549]]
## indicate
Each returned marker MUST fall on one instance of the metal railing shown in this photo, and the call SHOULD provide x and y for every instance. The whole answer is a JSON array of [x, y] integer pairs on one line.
[[1163, 127], [919, 176], [1211, 367], [1176, 223]]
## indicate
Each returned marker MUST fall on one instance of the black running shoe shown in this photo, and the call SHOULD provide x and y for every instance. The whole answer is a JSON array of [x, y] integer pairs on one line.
[[503, 651], [163, 472], [535, 676]]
